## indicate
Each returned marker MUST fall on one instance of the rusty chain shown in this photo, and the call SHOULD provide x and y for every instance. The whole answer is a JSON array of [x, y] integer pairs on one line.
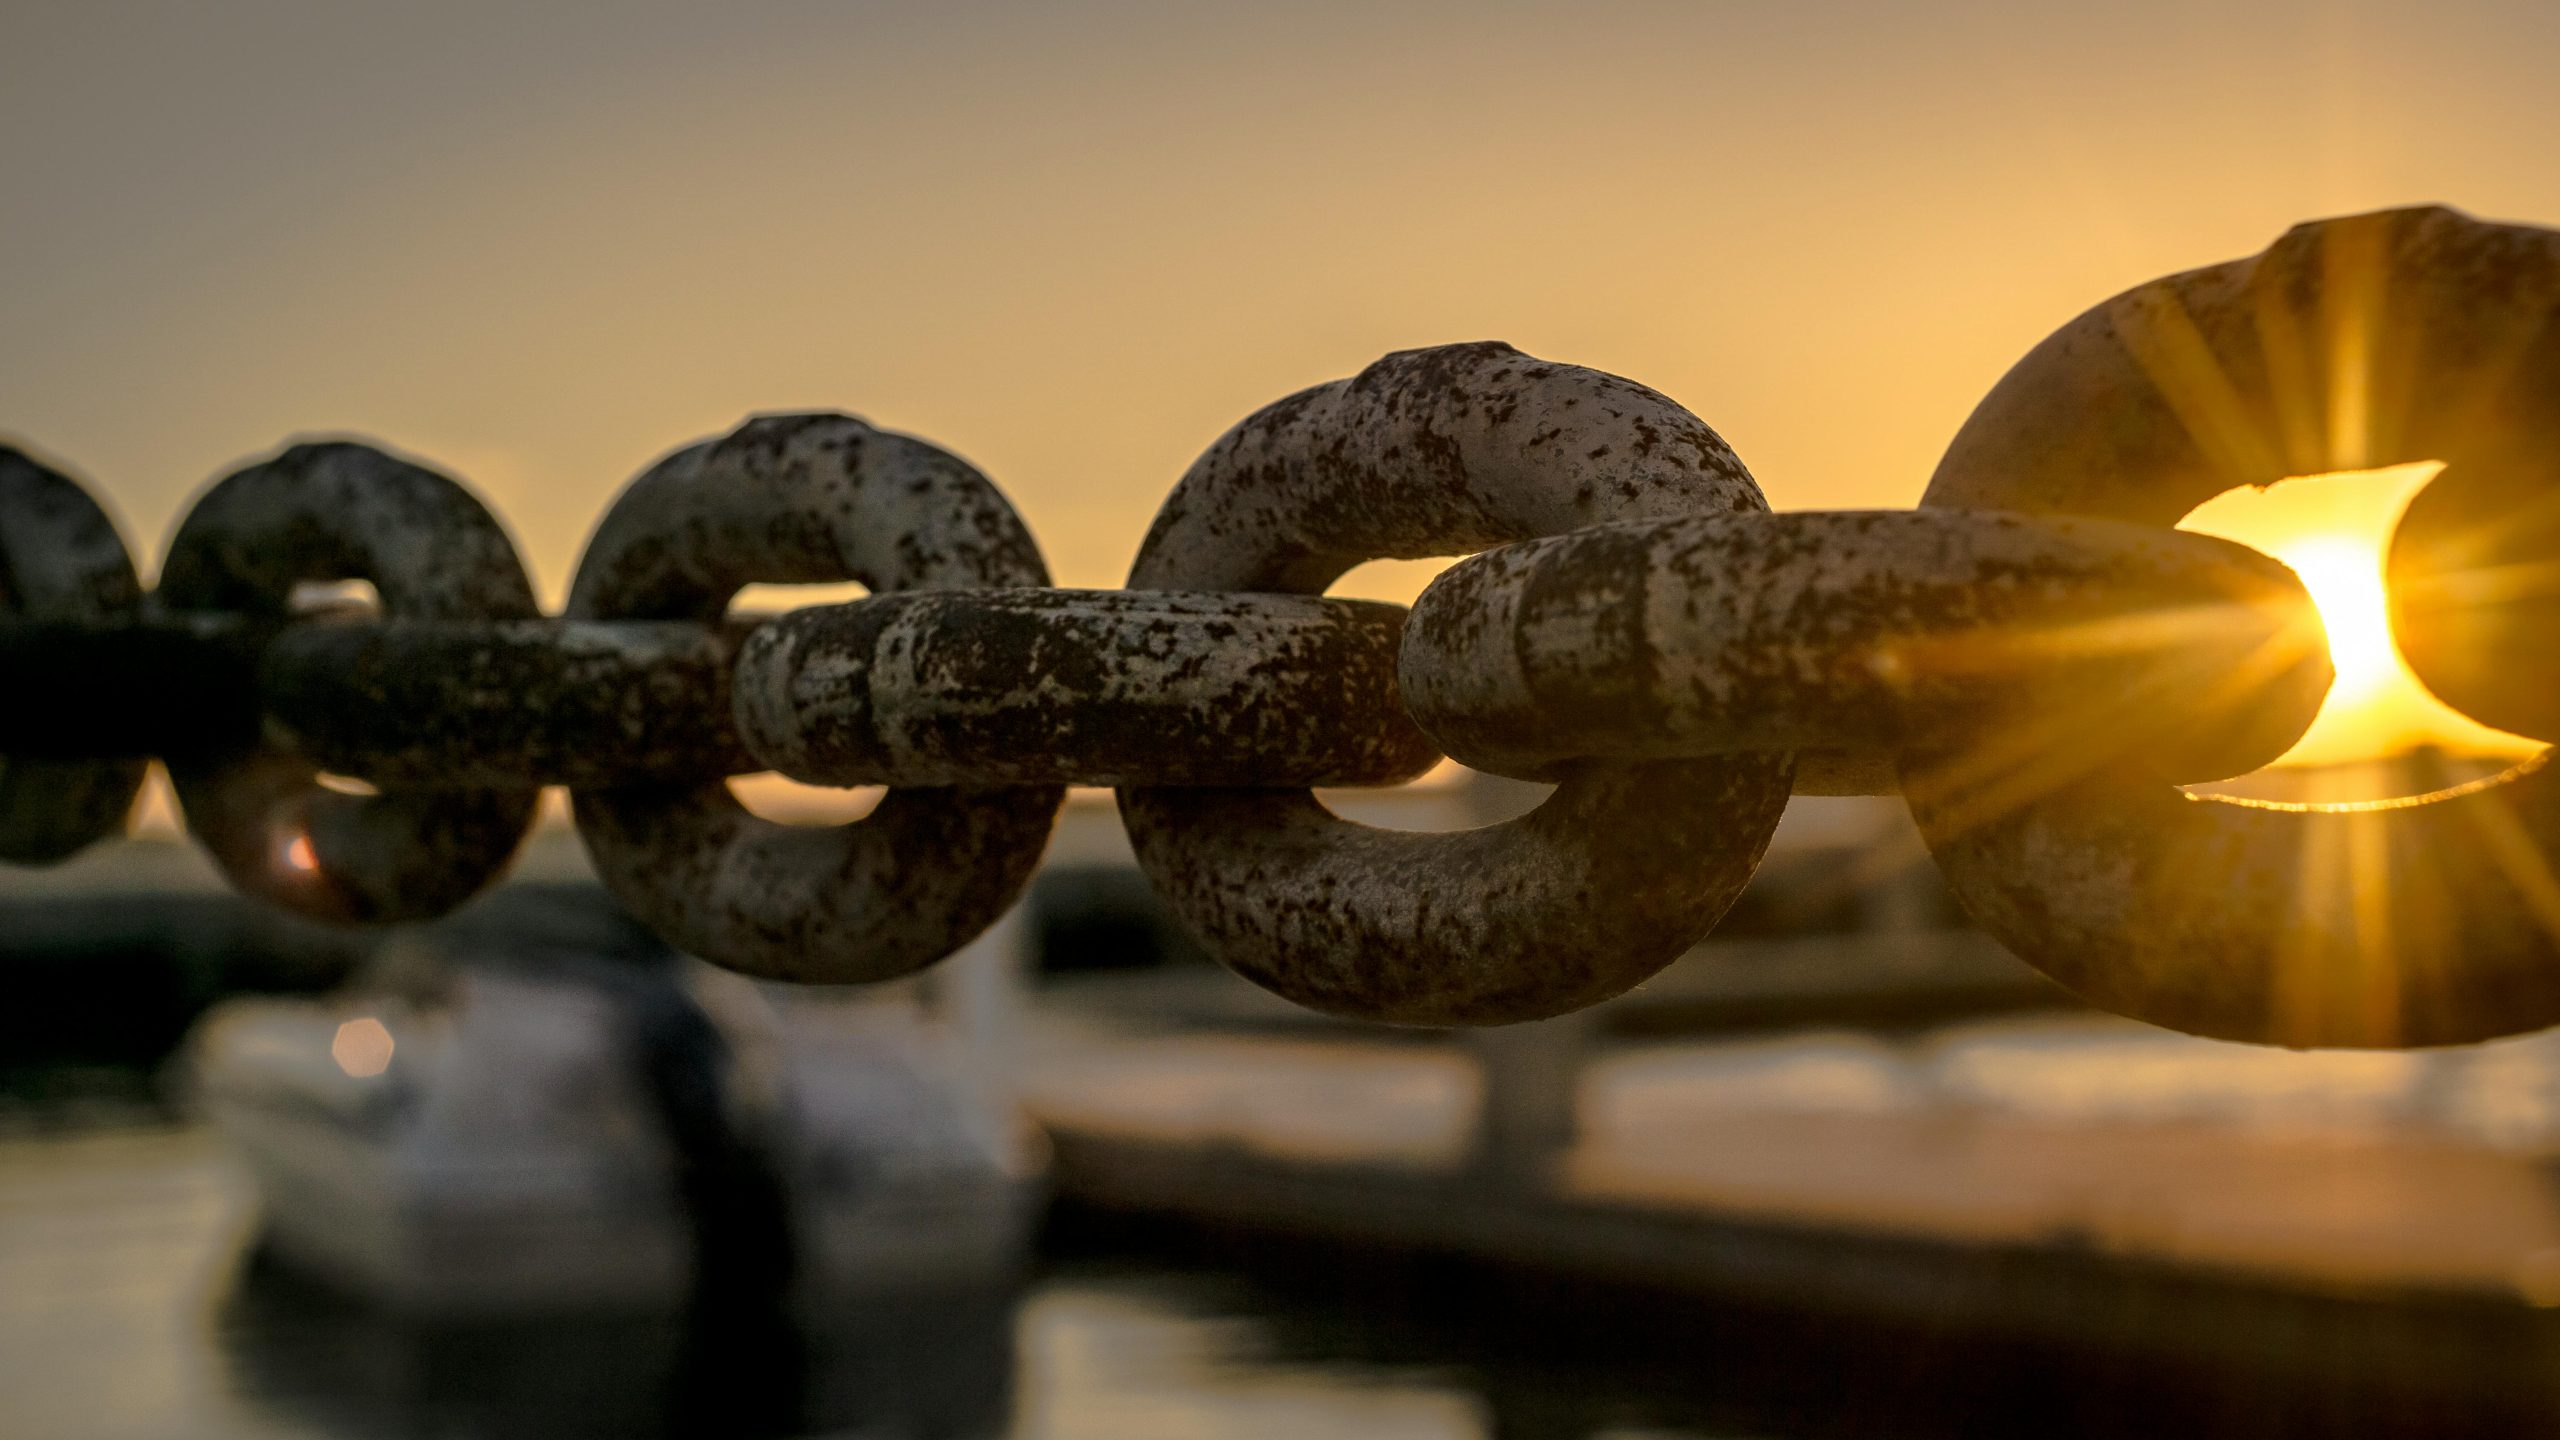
[[2033, 658]]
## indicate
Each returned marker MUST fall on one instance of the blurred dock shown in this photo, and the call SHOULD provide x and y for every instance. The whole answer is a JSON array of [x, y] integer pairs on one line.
[[2072, 1179], [1847, 1105]]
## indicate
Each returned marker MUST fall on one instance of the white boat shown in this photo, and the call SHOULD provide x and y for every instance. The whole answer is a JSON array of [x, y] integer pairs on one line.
[[534, 1107]]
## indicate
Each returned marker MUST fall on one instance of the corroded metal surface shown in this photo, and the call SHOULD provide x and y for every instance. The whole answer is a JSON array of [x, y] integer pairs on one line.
[[2375, 925], [1865, 633], [1084, 687], [2379, 339], [61, 561], [464, 704], [1436, 452], [334, 512], [808, 499]]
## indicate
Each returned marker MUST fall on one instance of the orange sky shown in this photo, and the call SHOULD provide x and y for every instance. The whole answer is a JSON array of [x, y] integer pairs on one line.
[[1074, 243]]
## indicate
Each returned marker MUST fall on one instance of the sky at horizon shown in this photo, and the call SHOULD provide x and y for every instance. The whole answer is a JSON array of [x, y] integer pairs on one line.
[[539, 246]]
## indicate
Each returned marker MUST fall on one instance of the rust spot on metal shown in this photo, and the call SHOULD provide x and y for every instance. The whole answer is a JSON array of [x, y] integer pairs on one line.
[[1865, 633], [1438, 452], [337, 511], [808, 498], [474, 704], [1085, 687]]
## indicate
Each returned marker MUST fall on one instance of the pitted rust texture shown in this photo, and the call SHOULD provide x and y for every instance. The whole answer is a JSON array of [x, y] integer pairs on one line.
[[799, 499], [60, 561], [1431, 452], [808, 498], [1611, 879], [329, 512], [1436, 452], [2378, 339], [472, 704], [1083, 687], [1867, 633], [2391, 924]]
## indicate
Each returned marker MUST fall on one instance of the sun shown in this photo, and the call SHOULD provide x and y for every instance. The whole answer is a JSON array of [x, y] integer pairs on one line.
[[2344, 575], [2333, 530]]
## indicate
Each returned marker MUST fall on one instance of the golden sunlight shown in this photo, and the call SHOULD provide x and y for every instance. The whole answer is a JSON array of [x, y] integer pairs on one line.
[[2333, 530], [2344, 576]]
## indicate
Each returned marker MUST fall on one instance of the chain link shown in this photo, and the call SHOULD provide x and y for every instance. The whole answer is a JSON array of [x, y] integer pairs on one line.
[[2033, 659], [61, 565], [2376, 340], [807, 499]]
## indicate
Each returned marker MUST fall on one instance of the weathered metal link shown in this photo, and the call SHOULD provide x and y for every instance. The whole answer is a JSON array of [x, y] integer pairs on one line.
[[1864, 633], [1435, 452], [332, 512], [60, 561], [472, 704], [1082, 687], [808, 499], [2396, 337]]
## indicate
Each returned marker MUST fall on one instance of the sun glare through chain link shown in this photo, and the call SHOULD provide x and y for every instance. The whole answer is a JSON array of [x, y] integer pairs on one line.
[[2374, 340], [2033, 659]]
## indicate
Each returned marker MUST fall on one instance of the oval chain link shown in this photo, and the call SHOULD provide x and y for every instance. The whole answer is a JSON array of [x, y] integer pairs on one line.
[[322, 513], [1439, 452], [807, 499], [61, 561], [2416, 922]]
